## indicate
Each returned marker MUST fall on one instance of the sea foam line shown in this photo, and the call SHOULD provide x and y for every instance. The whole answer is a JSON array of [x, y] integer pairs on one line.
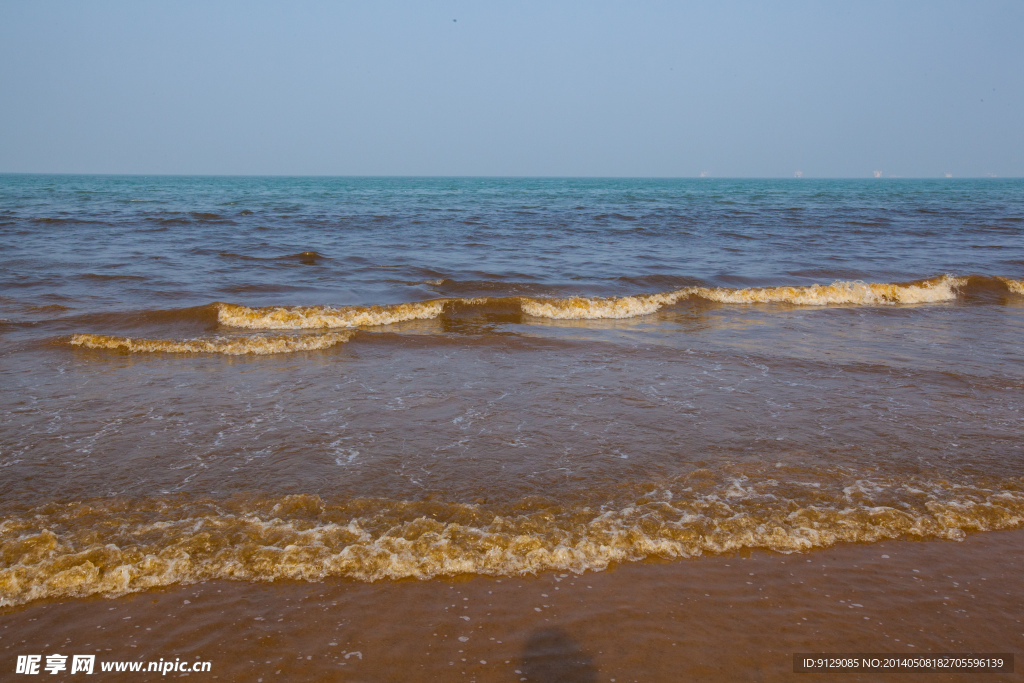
[[232, 346], [938, 289], [112, 547], [314, 317]]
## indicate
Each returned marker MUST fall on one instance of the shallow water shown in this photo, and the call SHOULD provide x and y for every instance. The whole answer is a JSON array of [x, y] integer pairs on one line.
[[305, 378]]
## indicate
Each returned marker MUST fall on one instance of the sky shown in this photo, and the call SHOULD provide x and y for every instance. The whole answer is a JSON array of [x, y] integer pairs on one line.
[[915, 88]]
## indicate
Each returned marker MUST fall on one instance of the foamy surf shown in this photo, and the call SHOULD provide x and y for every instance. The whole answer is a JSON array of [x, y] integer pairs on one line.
[[1015, 286], [318, 317], [838, 293], [582, 308], [237, 346], [842, 293], [111, 547]]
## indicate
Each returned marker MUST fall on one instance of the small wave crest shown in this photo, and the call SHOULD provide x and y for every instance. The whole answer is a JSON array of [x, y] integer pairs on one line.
[[303, 257], [579, 308], [317, 317], [938, 289], [851, 293], [231, 346], [838, 293], [583, 308], [116, 546], [1015, 286]]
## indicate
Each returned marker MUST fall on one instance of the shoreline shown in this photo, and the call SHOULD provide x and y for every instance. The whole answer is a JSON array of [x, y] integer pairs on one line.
[[729, 616]]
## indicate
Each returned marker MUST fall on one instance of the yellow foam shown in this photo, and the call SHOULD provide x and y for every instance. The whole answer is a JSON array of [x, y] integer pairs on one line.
[[111, 547], [236, 346], [314, 317]]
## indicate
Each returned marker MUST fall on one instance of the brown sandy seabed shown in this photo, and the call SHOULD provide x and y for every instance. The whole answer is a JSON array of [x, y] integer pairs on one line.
[[731, 617]]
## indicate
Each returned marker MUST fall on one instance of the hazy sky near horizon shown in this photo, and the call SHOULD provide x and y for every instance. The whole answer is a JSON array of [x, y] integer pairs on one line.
[[912, 88]]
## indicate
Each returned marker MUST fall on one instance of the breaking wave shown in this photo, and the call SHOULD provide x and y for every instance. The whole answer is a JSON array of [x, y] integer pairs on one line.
[[313, 317], [838, 293], [237, 346], [1015, 286], [115, 546], [584, 308]]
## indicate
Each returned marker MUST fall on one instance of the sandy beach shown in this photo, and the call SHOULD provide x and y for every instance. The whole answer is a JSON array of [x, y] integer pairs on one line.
[[736, 617]]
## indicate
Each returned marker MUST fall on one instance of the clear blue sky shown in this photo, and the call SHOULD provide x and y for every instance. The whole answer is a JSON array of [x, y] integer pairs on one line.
[[839, 89]]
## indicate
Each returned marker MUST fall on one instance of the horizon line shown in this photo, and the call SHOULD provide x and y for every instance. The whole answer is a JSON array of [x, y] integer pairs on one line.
[[517, 177]]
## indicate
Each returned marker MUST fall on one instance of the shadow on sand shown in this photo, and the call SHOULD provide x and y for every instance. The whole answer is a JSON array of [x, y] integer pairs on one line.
[[551, 656]]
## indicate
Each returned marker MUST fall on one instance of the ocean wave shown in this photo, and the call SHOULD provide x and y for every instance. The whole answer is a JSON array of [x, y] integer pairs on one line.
[[580, 308], [303, 257], [939, 289], [236, 346], [110, 276], [111, 547], [1015, 286], [584, 308], [841, 293], [314, 317]]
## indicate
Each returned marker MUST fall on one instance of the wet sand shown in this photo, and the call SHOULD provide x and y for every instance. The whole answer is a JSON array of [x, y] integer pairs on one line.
[[732, 617]]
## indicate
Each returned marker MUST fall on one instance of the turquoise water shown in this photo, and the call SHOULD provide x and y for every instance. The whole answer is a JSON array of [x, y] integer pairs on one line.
[[109, 243]]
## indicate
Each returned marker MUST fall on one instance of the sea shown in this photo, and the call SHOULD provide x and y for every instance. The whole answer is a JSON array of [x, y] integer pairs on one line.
[[264, 382]]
